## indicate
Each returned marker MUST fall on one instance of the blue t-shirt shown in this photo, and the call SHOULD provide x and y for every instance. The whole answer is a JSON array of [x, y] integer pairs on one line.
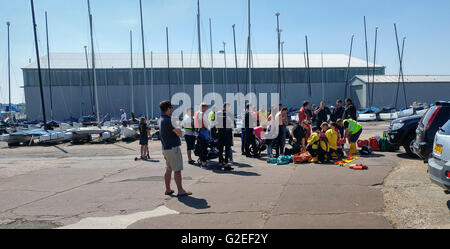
[[169, 139]]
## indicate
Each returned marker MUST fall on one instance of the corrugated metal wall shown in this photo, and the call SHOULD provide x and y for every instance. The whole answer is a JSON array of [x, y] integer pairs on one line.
[[114, 91]]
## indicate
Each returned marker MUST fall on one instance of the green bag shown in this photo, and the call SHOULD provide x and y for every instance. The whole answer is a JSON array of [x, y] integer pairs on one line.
[[286, 158], [385, 146], [272, 160]]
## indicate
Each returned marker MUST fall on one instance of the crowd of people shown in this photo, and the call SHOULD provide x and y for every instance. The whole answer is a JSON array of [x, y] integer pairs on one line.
[[322, 132]]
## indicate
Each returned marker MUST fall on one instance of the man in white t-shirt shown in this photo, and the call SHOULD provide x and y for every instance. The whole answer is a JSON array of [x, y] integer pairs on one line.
[[123, 117]]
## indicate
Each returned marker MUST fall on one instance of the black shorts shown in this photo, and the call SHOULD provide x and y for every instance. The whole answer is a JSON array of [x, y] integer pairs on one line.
[[190, 141], [143, 141]]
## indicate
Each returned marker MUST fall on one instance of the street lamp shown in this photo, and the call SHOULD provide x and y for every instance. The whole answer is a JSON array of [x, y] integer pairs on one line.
[[279, 56]]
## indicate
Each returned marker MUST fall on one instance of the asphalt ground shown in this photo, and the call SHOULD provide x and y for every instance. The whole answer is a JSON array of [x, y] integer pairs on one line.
[[101, 186]]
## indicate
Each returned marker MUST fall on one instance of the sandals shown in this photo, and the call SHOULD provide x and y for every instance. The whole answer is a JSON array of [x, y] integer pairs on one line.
[[184, 194], [170, 193]]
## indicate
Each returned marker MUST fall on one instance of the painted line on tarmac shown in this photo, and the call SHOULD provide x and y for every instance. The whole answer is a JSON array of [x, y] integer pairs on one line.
[[119, 221]]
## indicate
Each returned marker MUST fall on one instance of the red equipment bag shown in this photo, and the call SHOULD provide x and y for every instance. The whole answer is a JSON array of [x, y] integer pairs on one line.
[[373, 143], [362, 143]]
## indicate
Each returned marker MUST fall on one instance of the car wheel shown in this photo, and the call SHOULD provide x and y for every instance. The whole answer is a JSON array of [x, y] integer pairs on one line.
[[408, 145]]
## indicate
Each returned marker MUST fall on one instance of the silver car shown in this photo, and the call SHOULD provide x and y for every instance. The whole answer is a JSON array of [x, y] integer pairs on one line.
[[439, 162]]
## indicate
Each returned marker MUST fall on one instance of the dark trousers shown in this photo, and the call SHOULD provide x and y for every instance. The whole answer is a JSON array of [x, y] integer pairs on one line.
[[317, 153], [250, 140], [203, 146], [296, 148], [225, 141], [278, 141], [338, 152], [243, 141]]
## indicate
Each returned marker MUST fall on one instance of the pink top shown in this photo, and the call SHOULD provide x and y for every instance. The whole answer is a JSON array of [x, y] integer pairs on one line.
[[258, 131]]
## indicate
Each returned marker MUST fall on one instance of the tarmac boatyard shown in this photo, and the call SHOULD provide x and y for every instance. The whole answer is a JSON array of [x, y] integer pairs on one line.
[[101, 186]]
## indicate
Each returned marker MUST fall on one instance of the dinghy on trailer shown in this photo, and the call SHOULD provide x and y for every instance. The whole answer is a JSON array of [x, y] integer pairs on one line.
[[368, 114]]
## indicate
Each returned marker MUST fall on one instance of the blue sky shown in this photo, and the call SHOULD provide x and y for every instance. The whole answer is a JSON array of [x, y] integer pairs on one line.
[[329, 25]]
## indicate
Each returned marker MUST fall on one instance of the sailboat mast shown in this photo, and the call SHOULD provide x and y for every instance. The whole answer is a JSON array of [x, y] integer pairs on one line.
[[400, 74], [143, 59], [284, 72], [89, 80], [9, 70], [225, 76], [93, 63], [235, 58], [38, 64], [131, 72], [401, 66], [212, 58], [309, 71], [323, 84], [151, 78], [182, 70], [367, 57], [249, 50], [48, 68], [199, 48], [374, 61], [168, 61], [348, 66]]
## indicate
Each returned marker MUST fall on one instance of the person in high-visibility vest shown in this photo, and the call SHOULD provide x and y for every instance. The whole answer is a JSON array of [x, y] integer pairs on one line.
[[190, 133], [352, 132]]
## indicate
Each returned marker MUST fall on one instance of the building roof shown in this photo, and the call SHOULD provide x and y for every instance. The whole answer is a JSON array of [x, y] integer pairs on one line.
[[407, 78], [122, 60]]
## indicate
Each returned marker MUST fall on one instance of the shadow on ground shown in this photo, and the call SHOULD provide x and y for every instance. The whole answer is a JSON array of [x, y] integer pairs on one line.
[[406, 156], [373, 155], [193, 202], [234, 172]]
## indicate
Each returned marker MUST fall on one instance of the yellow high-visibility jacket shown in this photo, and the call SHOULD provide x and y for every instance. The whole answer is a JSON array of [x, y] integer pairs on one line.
[[314, 141], [332, 137]]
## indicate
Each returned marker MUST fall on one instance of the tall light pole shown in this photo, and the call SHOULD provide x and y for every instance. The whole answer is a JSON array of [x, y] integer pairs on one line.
[[284, 71]]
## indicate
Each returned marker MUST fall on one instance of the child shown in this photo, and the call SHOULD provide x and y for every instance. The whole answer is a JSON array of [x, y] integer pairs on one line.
[[144, 133]]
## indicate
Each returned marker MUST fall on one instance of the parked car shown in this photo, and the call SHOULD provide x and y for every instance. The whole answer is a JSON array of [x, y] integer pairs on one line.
[[439, 162], [426, 130], [402, 132]]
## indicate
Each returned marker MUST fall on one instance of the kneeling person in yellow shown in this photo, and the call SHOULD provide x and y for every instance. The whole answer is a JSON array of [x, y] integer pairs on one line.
[[353, 131], [332, 137], [317, 146]]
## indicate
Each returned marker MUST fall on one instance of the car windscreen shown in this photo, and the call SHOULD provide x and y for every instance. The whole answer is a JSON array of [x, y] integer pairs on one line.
[[446, 128]]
